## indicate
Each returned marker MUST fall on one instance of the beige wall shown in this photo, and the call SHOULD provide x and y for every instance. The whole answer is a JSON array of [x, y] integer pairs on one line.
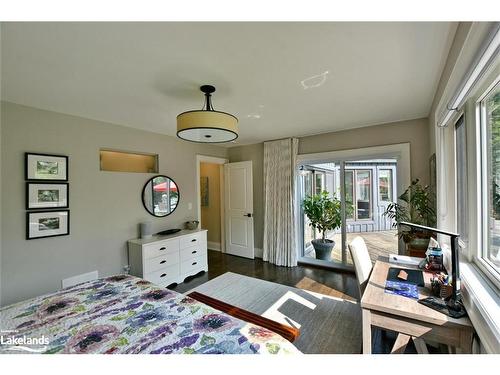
[[105, 206], [210, 215], [416, 132], [455, 49]]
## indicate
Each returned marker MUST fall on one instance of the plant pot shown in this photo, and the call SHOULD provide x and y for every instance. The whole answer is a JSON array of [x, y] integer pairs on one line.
[[322, 249], [420, 243]]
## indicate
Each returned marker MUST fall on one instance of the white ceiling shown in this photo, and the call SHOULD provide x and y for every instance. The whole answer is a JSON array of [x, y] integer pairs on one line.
[[143, 74]]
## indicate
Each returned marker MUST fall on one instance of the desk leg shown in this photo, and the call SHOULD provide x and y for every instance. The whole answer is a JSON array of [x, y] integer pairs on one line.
[[466, 337], [367, 332]]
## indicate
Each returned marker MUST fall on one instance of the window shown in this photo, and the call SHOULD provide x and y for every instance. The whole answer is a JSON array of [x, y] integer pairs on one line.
[[319, 182], [349, 193], [123, 161], [490, 178], [461, 177], [363, 194], [385, 185]]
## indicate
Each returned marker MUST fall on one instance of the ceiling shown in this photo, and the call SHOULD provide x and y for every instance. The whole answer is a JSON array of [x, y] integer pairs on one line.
[[279, 79]]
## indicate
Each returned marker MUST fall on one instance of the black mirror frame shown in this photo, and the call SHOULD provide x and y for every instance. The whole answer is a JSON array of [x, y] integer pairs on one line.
[[144, 188]]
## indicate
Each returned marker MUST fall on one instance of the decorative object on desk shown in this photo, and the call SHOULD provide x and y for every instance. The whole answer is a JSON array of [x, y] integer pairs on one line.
[[168, 232], [204, 191], [192, 224], [415, 205], [434, 256], [324, 215], [441, 285], [43, 195], [47, 224], [160, 196], [146, 230], [400, 288], [454, 304], [45, 167]]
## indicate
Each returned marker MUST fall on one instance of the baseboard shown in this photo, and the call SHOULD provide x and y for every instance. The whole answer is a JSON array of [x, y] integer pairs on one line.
[[213, 245], [258, 253]]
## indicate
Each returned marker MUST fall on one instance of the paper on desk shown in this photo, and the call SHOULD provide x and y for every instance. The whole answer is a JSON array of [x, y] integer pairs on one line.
[[403, 259]]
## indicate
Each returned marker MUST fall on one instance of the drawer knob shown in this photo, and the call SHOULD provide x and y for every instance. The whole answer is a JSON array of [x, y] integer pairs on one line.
[[163, 248], [163, 275], [193, 240], [163, 261], [194, 263], [194, 252]]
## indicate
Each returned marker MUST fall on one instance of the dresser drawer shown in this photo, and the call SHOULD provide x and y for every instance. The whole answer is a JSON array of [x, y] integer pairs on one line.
[[160, 277], [164, 260], [193, 252], [192, 239], [194, 265], [156, 249]]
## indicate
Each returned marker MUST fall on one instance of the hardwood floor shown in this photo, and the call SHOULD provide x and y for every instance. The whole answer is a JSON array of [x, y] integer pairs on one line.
[[324, 281], [319, 280]]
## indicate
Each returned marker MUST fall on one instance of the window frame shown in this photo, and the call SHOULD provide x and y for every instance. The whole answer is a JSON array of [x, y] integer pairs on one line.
[[389, 185], [482, 187], [460, 119]]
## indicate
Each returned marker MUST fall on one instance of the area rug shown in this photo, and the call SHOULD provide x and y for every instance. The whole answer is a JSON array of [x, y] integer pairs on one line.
[[328, 325]]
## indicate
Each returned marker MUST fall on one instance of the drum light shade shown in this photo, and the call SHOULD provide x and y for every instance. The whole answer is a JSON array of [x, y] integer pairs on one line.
[[207, 125]]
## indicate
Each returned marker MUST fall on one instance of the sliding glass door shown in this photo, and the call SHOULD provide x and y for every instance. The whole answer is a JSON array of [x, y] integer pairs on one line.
[[364, 188]]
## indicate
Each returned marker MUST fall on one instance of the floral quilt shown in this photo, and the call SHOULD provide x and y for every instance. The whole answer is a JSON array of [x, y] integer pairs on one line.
[[125, 314]]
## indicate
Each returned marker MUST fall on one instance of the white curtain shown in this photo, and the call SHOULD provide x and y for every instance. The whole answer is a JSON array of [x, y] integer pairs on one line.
[[279, 202]]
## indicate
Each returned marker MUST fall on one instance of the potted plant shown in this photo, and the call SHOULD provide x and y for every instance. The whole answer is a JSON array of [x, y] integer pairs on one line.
[[415, 205], [324, 215]]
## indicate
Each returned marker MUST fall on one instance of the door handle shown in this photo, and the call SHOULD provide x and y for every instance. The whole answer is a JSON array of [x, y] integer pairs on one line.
[[248, 215]]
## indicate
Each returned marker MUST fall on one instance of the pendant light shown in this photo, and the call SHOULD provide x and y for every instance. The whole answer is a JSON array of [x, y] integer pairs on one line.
[[207, 125]]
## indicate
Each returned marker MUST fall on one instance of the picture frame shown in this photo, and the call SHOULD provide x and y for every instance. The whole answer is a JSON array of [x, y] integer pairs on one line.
[[44, 167], [204, 195], [43, 224], [47, 195]]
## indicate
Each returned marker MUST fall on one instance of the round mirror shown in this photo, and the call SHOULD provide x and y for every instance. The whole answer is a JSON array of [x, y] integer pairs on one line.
[[160, 196]]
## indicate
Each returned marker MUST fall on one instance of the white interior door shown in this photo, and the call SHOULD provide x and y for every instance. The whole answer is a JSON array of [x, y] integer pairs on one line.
[[238, 207]]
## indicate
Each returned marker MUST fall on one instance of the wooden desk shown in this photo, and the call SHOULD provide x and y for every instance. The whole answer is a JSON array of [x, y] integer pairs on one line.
[[407, 316]]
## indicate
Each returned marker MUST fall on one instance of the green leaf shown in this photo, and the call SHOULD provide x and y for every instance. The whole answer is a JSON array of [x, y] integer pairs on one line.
[[118, 317], [189, 351], [121, 341], [79, 308], [273, 348], [54, 350], [147, 306], [207, 340], [26, 313], [194, 309]]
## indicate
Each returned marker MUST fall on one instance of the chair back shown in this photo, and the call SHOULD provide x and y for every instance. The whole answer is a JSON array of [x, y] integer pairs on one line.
[[362, 262]]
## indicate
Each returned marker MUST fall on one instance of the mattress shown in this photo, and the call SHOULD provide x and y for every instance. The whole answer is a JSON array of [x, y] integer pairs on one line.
[[125, 314]]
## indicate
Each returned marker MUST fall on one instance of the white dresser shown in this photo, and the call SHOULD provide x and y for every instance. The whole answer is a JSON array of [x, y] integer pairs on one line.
[[164, 260]]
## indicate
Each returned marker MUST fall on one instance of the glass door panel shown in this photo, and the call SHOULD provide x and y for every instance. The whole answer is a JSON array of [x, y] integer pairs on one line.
[[368, 187]]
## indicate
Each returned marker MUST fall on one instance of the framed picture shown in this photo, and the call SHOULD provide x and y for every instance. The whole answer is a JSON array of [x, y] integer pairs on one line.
[[43, 195], [46, 167], [47, 224], [204, 191]]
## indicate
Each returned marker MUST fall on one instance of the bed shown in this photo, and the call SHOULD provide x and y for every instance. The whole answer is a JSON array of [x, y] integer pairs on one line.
[[125, 314]]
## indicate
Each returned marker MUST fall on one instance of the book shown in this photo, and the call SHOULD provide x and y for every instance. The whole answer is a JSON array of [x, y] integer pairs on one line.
[[401, 289]]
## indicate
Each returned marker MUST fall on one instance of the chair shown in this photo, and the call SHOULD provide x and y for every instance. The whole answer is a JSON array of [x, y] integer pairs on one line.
[[362, 262]]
